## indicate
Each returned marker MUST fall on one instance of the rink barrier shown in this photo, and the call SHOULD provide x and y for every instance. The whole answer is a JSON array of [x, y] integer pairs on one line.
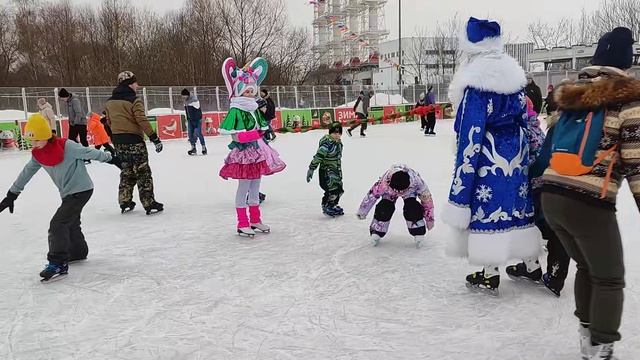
[[174, 126]]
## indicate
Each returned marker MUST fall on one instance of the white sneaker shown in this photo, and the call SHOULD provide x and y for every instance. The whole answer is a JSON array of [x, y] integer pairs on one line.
[[246, 231], [419, 239], [261, 227], [602, 352], [375, 239], [585, 342]]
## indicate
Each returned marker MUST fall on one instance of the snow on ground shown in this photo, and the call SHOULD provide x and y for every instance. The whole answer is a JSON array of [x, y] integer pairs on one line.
[[182, 285]]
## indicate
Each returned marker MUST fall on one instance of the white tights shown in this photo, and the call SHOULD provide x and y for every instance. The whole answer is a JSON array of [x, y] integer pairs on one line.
[[251, 187]]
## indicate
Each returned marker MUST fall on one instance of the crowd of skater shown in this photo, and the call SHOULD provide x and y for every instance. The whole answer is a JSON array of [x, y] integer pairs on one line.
[[513, 184]]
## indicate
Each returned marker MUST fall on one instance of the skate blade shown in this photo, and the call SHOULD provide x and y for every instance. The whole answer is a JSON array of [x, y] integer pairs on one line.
[[54, 278], [481, 290], [375, 243], [526, 280], [549, 290], [125, 211], [251, 236], [261, 231], [418, 244], [154, 212]]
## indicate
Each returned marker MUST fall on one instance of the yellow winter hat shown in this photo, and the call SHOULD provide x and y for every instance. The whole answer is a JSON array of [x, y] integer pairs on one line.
[[37, 128]]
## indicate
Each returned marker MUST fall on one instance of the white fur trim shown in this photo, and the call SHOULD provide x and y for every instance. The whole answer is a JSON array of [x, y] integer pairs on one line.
[[496, 248], [456, 216], [486, 67]]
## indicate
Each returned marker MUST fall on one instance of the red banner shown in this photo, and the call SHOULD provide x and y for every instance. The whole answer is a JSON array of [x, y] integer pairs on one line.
[[345, 115], [169, 127]]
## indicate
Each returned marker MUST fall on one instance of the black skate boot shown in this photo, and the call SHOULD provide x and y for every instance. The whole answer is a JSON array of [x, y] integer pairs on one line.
[[349, 132], [478, 282], [204, 150], [553, 283], [519, 272], [53, 271], [154, 208], [193, 151], [262, 197], [127, 207]]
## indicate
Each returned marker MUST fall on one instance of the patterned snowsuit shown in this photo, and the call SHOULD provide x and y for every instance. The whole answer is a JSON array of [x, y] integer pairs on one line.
[[329, 159], [418, 214]]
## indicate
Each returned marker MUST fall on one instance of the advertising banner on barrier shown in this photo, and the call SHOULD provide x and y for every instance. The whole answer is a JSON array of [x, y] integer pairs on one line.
[[345, 115], [296, 118], [323, 117], [169, 127], [9, 135]]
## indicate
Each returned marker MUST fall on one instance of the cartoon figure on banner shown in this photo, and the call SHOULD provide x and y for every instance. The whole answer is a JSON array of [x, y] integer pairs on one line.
[[7, 140], [170, 130], [209, 128]]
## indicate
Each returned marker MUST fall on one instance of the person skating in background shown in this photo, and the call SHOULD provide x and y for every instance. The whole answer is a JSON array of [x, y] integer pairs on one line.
[[77, 117], [329, 159], [194, 121], [489, 201], [268, 108], [46, 110], [532, 90], [557, 257], [550, 101], [63, 160], [100, 136], [422, 99], [361, 108], [129, 124], [399, 182], [579, 201], [430, 99], [250, 157]]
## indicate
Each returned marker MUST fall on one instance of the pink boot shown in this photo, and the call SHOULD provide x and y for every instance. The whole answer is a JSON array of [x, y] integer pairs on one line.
[[256, 221], [244, 228]]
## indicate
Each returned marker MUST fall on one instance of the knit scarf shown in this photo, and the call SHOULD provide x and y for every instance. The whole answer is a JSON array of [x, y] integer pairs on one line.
[[52, 154]]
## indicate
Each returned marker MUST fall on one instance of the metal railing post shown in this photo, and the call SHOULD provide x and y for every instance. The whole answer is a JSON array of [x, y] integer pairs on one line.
[[278, 96], [57, 100], [313, 92], [218, 97], [295, 95], [86, 90], [144, 99], [330, 102], [171, 99]]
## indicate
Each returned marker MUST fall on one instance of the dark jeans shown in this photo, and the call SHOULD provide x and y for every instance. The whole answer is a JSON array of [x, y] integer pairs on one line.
[[591, 236], [431, 122], [362, 122], [195, 133], [66, 241], [78, 130]]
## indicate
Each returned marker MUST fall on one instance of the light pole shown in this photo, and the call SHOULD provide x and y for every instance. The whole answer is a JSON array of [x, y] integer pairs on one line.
[[400, 47]]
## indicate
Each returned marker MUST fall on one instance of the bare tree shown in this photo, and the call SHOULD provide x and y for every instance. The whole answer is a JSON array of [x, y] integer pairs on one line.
[[8, 43], [417, 56], [614, 13]]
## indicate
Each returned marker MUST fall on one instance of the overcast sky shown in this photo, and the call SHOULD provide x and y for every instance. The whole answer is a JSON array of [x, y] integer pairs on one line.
[[513, 14]]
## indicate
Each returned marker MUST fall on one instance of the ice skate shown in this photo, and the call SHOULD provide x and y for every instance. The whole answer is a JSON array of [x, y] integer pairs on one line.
[[53, 271], [519, 272], [127, 207], [585, 342], [375, 239], [260, 227], [552, 283], [331, 211], [419, 239], [246, 232], [479, 283], [193, 151], [262, 197], [349, 132], [154, 208], [363, 135], [602, 352], [204, 150]]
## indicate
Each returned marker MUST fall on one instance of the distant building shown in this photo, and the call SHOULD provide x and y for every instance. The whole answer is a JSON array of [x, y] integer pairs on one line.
[[521, 53], [568, 58]]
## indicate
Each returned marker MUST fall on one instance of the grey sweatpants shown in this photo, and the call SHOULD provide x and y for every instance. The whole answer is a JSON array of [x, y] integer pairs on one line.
[[591, 237], [66, 241]]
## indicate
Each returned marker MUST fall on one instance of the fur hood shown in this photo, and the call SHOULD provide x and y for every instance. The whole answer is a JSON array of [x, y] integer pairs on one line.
[[606, 90]]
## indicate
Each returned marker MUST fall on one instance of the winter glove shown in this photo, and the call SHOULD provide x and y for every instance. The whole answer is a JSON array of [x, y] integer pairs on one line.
[[309, 175], [115, 160], [156, 141], [8, 202]]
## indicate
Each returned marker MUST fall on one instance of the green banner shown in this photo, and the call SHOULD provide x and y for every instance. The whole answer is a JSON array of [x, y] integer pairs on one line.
[[296, 118], [325, 116]]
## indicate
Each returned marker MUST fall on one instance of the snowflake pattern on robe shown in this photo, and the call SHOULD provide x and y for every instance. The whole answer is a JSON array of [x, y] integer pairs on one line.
[[492, 161]]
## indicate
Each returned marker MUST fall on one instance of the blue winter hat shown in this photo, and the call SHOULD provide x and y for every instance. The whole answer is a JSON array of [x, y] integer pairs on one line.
[[478, 30], [615, 49]]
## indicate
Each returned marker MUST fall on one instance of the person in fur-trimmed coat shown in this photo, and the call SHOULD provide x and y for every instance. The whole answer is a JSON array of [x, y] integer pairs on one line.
[[489, 201]]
